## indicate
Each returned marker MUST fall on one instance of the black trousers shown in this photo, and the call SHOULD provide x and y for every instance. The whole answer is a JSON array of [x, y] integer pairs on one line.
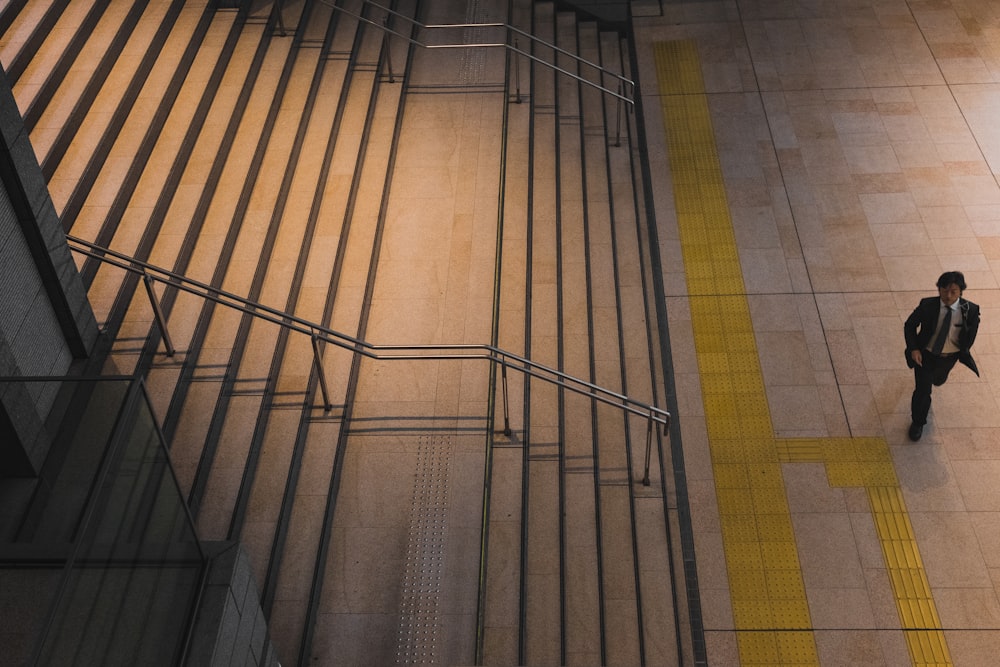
[[933, 373]]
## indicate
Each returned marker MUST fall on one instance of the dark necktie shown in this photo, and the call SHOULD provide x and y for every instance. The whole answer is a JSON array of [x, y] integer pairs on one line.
[[942, 334]]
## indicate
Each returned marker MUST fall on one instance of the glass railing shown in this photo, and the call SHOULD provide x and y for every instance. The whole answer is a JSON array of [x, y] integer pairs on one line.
[[99, 560]]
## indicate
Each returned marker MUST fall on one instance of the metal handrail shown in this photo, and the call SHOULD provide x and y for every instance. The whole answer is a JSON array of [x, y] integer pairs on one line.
[[319, 333], [626, 85]]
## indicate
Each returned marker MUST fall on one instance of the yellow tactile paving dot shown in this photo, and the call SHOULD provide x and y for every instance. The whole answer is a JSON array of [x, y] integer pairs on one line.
[[769, 603]]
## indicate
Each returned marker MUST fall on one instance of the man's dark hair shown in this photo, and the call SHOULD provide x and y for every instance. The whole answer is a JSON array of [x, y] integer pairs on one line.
[[950, 278]]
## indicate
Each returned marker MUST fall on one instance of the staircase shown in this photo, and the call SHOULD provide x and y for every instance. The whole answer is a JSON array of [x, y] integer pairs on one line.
[[570, 519], [264, 150]]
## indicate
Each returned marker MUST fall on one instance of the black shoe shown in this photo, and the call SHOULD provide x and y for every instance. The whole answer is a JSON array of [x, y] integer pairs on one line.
[[916, 430]]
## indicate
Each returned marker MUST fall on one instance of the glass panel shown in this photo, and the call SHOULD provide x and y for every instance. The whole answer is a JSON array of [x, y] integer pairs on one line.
[[79, 447], [118, 564]]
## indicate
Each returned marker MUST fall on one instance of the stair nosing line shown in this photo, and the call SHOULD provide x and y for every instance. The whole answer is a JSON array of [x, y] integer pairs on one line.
[[165, 199], [140, 161], [29, 49], [57, 75], [102, 151]]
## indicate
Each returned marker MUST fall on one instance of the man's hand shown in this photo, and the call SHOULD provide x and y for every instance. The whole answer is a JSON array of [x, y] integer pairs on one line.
[[917, 357]]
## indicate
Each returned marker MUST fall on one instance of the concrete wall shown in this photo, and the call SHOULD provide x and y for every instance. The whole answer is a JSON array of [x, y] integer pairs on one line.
[[45, 319], [230, 628]]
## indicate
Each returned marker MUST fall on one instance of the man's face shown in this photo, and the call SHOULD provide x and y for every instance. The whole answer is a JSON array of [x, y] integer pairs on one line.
[[949, 294]]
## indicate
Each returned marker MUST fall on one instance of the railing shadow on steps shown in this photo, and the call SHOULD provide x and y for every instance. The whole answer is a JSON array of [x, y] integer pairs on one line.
[[318, 334], [623, 90]]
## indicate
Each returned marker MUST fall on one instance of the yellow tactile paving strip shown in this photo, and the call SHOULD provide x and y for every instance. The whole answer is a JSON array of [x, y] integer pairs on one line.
[[770, 609]]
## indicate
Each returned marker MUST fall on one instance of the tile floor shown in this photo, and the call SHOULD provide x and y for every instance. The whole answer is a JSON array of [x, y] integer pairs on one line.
[[858, 147]]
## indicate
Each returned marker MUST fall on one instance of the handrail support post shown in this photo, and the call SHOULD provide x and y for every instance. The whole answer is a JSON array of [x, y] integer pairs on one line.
[[618, 121], [649, 447], [517, 73], [161, 321], [318, 360], [280, 20], [388, 50], [506, 410]]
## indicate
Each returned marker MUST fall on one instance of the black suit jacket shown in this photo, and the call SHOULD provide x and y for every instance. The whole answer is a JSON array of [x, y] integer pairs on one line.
[[920, 325]]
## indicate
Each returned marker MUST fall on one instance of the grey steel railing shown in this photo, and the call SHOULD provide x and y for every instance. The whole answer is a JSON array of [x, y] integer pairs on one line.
[[318, 334], [623, 89]]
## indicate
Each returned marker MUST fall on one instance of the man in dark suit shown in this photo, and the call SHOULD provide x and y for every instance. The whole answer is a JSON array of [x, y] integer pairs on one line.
[[939, 332]]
